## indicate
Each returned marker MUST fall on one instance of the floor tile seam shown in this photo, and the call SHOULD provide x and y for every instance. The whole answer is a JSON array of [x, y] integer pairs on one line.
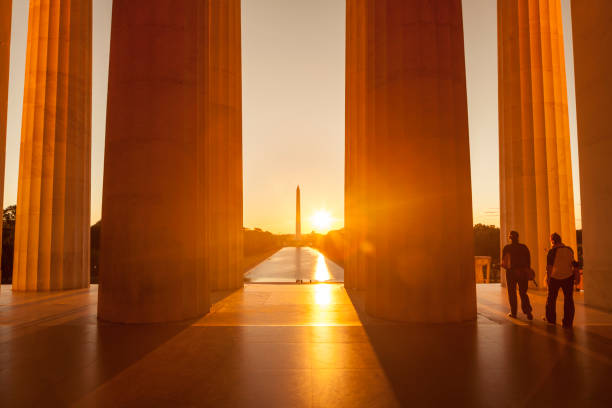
[[262, 341], [302, 343], [47, 298], [353, 369], [540, 295], [50, 318], [81, 312], [265, 369], [488, 318], [502, 309], [277, 325], [38, 309], [582, 349], [502, 315]]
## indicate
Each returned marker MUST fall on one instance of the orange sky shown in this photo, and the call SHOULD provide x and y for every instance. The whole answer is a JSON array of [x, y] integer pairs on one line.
[[293, 107]]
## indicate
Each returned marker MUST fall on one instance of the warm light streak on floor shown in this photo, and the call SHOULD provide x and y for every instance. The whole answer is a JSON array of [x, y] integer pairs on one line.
[[317, 304], [321, 272], [323, 294]]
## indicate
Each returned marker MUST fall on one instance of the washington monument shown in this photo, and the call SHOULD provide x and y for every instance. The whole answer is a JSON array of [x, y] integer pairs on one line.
[[298, 216]]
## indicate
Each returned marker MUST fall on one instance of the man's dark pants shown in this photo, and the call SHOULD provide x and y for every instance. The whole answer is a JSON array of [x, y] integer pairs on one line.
[[567, 285], [523, 284]]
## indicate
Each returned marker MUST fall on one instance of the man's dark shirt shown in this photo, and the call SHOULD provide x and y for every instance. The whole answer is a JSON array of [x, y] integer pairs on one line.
[[519, 256]]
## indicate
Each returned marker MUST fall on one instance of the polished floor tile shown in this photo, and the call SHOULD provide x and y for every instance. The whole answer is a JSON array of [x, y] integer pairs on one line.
[[280, 345]]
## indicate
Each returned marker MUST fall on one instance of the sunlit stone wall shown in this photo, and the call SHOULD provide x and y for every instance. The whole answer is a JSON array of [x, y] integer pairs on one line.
[[592, 35], [53, 199]]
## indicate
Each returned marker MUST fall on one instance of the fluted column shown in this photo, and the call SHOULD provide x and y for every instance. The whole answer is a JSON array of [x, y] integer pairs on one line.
[[53, 199], [224, 161], [536, 191], [172, 174], [5, 49], [592, 35], [355, 197], [416, 154]]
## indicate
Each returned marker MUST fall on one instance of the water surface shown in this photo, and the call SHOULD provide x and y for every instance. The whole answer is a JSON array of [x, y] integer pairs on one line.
[[293, 264]]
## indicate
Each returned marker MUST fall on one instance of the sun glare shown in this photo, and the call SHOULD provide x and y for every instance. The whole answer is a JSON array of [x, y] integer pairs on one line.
[[321, 220]]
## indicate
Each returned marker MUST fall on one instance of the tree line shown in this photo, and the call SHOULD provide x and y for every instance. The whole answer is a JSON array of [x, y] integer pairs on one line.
[[257, 241]]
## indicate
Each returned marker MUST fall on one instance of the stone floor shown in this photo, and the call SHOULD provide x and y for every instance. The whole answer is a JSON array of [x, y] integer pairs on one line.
[[297, 346]]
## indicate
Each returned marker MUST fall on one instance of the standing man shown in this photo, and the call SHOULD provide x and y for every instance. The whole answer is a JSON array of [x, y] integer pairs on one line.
[[560, 272], [516, 259]]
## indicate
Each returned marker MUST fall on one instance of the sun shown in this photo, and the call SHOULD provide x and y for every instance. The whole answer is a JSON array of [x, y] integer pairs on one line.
[[321, 220]]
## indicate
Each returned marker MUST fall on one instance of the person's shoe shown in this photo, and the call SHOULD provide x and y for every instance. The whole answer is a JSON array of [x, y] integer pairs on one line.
[[567, 326], [512, 315], [548, 321], [529, 316]]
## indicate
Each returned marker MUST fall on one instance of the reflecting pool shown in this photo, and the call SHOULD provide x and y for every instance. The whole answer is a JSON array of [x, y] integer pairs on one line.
[[291, 264]]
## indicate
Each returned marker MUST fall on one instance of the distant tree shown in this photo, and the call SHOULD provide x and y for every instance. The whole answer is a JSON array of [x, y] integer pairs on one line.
[[257, 241], [332, 245], [9, 214], [487, 241], [9, 217]]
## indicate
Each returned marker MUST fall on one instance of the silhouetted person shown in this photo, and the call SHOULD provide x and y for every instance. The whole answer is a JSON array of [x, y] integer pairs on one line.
[[560, 272], [516, 259]]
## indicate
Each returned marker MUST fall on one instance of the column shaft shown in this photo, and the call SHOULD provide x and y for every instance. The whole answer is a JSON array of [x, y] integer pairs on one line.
[[355, 197], [53, 199], [5, 49], [224, 196], [416, 157], [172, 198], [592, 59], [536, 191]]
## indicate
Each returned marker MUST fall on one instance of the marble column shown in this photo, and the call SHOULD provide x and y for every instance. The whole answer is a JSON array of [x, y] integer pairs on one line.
[[536, 191], [417, 164], [5, 48], [172, 196], [224, 127], [592, 35], [355, 197], [53, 199]]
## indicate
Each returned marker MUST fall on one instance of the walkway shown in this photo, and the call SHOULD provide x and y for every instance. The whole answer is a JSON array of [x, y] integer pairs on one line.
[[293, 264], [279, 345]]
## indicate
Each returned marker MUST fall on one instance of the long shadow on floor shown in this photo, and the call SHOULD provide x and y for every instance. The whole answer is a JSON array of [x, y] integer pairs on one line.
[[57, 365], [484, 363]]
